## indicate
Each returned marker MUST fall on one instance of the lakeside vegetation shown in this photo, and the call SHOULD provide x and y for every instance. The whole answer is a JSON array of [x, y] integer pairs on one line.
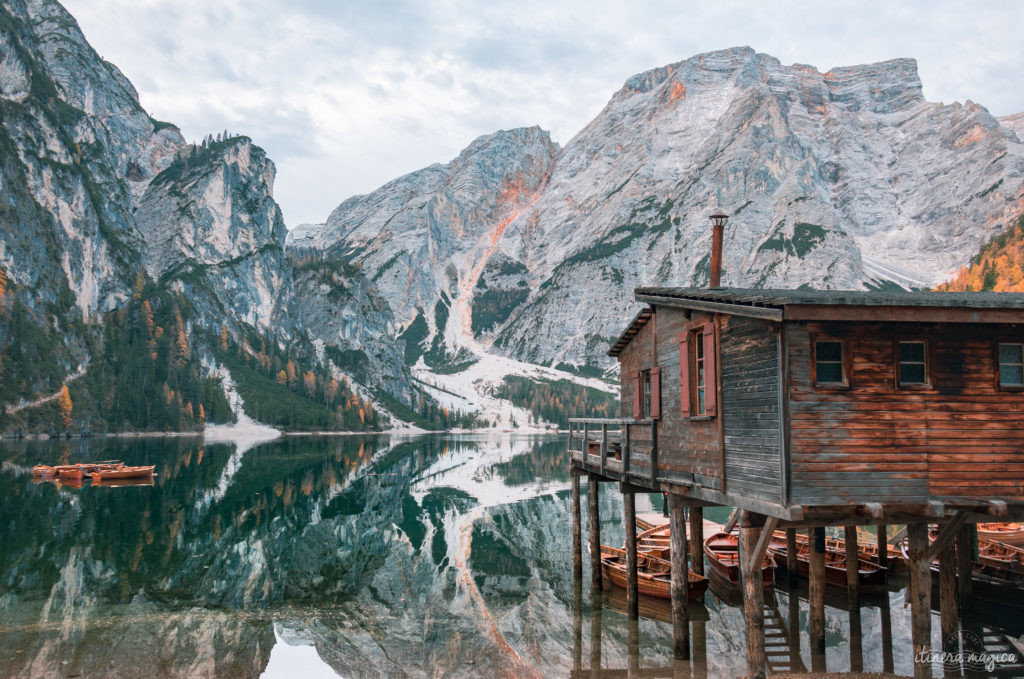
[[998, 267], [557, 401]]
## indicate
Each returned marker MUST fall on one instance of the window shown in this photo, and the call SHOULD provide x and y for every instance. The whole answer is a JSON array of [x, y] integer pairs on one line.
[[698, 381], [913, 364], [1011, 365], [646, 380], [828, 363], [647, 394]]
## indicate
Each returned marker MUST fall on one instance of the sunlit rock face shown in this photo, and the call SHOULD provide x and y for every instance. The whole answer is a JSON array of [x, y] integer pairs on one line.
[[843, 179]]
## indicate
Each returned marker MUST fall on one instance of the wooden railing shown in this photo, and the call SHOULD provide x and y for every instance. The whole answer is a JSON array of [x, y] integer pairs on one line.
[[620, 445]]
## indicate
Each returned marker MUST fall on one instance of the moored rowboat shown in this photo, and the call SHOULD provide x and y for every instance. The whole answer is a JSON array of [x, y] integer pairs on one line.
[[867, 551], [43, 471], [1008, 533], [722, 550], [871, 575], [123, 473], [653, 574]]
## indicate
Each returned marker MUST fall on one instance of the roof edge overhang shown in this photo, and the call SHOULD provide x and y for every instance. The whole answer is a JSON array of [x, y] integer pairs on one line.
[[638, 322], [766, 313]]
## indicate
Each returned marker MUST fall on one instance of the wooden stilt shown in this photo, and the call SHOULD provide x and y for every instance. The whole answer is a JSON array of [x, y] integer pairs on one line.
[[596, 610], [796, 664], [577, 529], [753, 593], [679, 578], [791, 572], [853, 599], [632, 598], [816, 585], [887, 660], [577, 625], [697, 540], [633, 644], [964, 549], [947, 597], [700, 649], [920, 599], [593, 505], [883, 546]]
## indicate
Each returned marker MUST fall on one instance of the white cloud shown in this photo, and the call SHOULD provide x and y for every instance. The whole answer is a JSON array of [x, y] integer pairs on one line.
[[347, 96]]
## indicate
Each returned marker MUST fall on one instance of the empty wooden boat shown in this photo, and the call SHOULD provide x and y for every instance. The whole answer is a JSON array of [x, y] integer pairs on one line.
[[653, 574], [44, 472], [123, 473], [722, 550], [867, 551], [70, 471], [871, 575], [1008, 533]]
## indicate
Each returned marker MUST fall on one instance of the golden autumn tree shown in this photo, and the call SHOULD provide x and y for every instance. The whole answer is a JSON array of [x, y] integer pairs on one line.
[[291, 370], [998, 267], [65, 405], [309, 382], [3, 284], [202, 418], [282, 378], [180, 339], [224, 338]]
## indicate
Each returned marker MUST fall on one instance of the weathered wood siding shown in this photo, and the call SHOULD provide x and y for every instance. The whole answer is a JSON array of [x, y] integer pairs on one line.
[[751, 384], [874, 442], [688, 448]]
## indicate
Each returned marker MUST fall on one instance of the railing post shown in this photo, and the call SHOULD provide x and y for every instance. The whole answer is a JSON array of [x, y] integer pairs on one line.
[[568, 445], [625, 451], [586, 444], [604, 445]]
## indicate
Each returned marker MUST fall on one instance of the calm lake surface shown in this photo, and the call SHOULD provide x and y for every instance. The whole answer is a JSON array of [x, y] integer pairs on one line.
[[350, 556]]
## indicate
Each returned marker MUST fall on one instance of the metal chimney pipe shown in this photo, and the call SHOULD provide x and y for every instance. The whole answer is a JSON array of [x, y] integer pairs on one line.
[[718, 220]]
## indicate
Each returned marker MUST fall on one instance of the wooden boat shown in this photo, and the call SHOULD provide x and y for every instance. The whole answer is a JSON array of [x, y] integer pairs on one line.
[[121, 483], [871, 575], [722, 550], [867, 551], [70, 472], [995, 555], [44, 472], [653, 574], [123, 473], [1007, 533]]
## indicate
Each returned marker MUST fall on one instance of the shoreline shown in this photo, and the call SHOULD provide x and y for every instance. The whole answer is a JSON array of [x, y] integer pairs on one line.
[[225, 437]]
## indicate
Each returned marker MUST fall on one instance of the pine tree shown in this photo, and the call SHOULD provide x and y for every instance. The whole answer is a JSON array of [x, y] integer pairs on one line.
[[223, 338]]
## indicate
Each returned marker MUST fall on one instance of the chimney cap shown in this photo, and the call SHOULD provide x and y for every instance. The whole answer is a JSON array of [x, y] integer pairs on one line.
[[718, 216]]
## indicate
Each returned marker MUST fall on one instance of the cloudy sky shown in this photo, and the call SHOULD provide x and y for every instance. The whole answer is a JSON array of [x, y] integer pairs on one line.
[[348, 95]]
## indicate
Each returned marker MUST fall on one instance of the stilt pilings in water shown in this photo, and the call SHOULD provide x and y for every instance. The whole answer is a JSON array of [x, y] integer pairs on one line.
[[853, 598], [697, 540], [680, 578], [632, 593], [816, 594], [594, 508], [577, 537], [753, 593], [920, 598]]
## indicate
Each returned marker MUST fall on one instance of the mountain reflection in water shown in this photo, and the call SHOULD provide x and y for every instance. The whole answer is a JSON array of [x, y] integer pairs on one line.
[[357, 556]]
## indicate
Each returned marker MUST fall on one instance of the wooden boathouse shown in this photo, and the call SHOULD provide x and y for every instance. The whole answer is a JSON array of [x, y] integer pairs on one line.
[[807, 409]]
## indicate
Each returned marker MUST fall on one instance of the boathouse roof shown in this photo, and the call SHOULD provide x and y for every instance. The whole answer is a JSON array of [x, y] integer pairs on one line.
[[836, 305]]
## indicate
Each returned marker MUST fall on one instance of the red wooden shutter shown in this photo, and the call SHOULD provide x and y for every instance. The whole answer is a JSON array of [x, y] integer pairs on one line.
[[710, 370], [655, 393], [684, 372], [637, 397]]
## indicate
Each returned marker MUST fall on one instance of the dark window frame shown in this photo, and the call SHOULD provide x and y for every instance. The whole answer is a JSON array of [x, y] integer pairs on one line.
[[645, 399], [844, 362], [999, 366], [698, 383], [898, 364]]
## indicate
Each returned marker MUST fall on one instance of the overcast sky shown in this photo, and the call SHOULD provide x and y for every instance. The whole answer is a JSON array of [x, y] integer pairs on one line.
[[346, 96]]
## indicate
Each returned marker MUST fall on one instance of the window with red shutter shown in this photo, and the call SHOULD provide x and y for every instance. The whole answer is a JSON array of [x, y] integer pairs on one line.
[[710, 371], [637, 394], [655, 393], [684, 373]]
